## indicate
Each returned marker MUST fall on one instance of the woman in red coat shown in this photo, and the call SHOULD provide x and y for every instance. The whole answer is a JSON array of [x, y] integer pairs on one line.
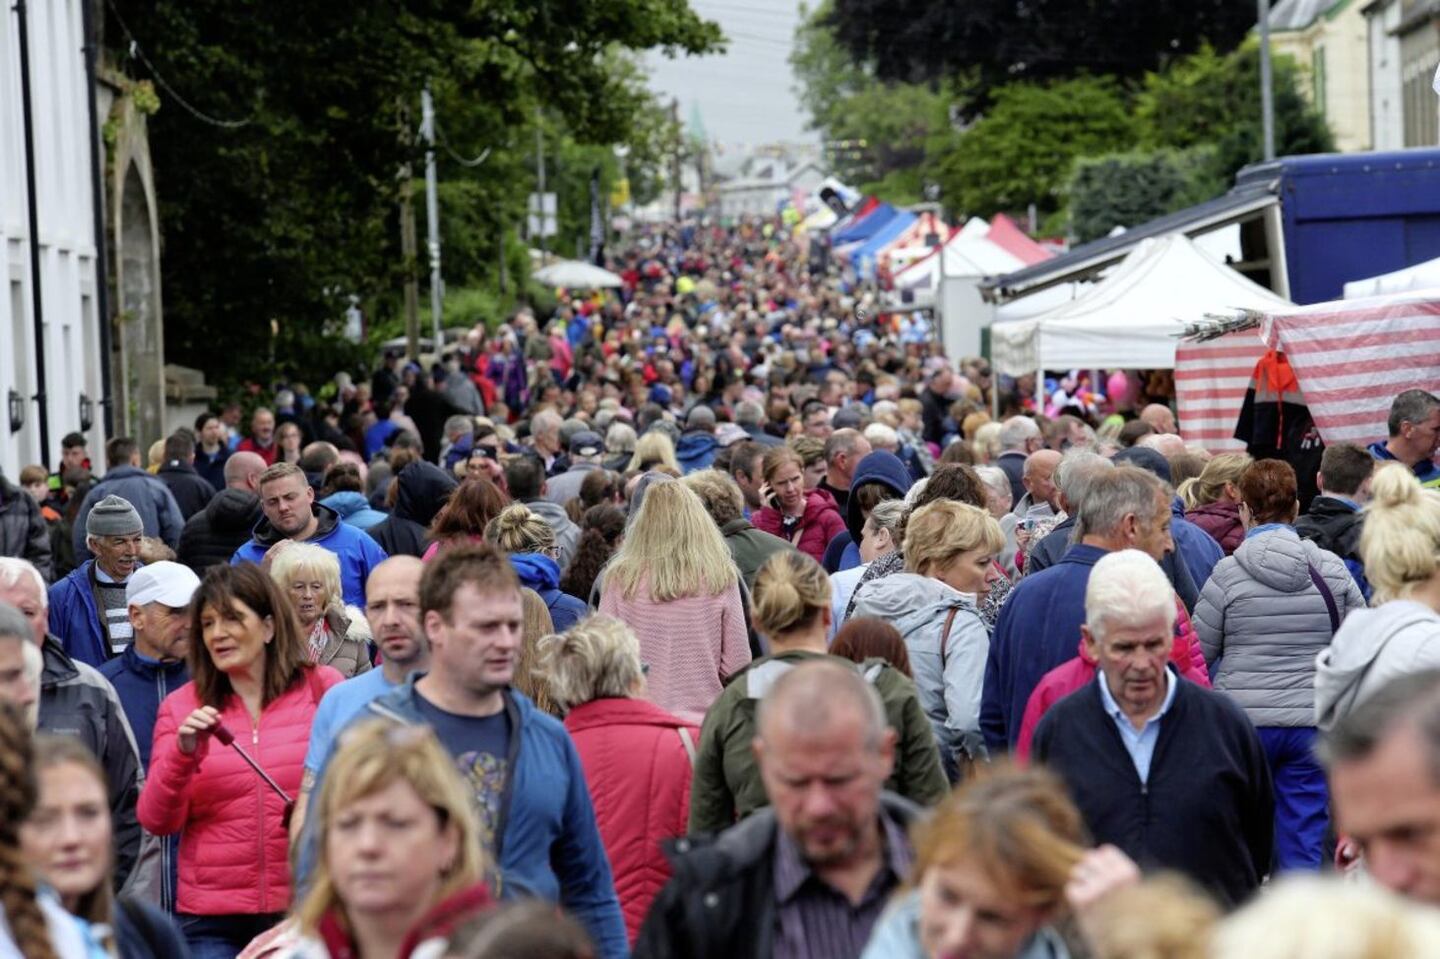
[[805, 520], [250, 673], [636, 756]]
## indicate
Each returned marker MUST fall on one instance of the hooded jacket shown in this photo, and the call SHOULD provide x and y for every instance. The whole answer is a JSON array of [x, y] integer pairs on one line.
[[1335, 525], [696, 451], [75, 700], [950, 681], [567, 534], [540, 573], [637, 765], [1222, 522], [818, 524], [234, 857], [213, 535], [1374, 646], [727, 783], [23, 530], [159, 513], [357, 552], [547, 844], [843, 551], [422, 490], [750, 547], [353, 508], [191, 490], [1264, 619]]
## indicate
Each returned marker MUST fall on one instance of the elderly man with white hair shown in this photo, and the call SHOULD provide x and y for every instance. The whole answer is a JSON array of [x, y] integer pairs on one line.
[[1171, 773], [1019, 437]]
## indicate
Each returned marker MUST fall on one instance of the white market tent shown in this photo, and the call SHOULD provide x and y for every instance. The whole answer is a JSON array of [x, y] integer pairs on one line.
[[1421, 276], [966, 254], [1131, 319]]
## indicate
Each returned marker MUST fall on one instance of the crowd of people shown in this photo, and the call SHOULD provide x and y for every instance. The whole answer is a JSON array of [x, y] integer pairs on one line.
[[720, 616]]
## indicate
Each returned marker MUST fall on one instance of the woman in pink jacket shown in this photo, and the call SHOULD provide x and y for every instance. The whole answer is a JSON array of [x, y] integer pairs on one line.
[[673, 582], [807, 520], [636, 755], [250, 674]]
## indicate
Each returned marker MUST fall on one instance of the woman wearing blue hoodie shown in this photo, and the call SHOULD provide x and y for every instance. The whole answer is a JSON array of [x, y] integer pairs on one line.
[[530, 541], [344, 492]]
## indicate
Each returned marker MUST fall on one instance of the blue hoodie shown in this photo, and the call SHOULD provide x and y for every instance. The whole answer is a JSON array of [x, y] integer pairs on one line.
[[878, 467], [696, 451], [542, 574], [548, 842], [354, 509]]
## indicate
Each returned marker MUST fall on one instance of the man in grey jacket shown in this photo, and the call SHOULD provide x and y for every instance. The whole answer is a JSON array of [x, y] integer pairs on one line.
[[525, 477]]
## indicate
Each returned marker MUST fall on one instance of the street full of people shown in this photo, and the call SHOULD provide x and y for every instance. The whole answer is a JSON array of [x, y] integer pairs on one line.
[[719, 615]]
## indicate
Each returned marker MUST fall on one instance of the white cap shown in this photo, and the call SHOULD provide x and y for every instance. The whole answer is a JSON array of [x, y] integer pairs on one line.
[[163, 582]]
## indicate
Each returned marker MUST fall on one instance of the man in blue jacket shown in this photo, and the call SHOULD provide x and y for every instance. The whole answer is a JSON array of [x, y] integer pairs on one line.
[[152, 667], [292, 513], [87, 608], [1039, 625], [536, 819]]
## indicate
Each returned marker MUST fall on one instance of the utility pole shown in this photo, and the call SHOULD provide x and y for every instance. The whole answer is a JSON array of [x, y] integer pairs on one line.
[[33, 222], [540, 179], [432, 215], [1267, 85], [407, 236], [675, 125]]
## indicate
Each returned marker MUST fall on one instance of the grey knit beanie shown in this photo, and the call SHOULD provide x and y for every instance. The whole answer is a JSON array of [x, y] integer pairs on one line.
[[113, 516]]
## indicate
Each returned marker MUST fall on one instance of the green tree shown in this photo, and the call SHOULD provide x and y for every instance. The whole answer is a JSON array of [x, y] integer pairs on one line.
[[1022, 150], [1123, 189]]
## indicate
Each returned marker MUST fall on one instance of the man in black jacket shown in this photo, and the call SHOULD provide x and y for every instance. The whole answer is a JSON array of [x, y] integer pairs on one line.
[[24, 533], [192, 491], [421, 490], [1171, 773], [809, 875], [1334, 520], [213, 535]]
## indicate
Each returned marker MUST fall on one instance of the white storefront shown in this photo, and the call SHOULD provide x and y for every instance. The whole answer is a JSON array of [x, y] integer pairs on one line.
[[64, 201]]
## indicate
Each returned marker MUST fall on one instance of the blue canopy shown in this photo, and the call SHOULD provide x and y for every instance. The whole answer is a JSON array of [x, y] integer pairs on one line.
[[865, 228], [864, 257]]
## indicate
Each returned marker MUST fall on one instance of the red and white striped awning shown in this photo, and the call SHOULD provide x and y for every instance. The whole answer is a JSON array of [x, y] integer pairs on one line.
[[1352, 357], [1210, 383]]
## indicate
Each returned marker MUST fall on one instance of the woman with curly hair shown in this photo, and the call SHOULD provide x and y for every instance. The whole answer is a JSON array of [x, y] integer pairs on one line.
[[601, 528]]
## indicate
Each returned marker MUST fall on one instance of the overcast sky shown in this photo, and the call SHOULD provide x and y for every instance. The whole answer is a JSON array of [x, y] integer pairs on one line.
[[745, 96]]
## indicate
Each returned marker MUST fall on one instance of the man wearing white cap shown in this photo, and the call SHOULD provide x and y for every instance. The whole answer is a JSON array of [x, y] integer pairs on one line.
[[157, 598]]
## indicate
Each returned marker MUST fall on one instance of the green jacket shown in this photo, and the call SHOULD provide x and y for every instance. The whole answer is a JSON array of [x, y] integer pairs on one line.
[[727, 784], [750, 547]]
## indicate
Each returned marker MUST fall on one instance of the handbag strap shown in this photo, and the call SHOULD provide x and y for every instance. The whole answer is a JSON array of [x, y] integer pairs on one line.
[[688, 743], [1326, 595], [945, 636]]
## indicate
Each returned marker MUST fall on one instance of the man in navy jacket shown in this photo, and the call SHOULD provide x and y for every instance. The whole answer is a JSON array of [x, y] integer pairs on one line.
[[1171, 773]]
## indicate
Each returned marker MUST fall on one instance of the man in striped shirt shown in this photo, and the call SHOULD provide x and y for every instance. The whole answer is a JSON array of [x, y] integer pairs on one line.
[[809, 875]]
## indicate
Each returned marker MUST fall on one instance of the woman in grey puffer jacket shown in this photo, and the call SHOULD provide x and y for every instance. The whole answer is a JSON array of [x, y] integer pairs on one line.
[[950, 551], [1265, 613]]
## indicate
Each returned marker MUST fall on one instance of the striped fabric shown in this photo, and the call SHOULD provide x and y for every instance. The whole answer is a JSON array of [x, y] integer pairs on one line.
[[1210, 383], [1352, 358]]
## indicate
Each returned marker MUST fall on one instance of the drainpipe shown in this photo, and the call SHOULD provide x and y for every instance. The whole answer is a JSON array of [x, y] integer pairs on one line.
[[34, 226], [97, 196]]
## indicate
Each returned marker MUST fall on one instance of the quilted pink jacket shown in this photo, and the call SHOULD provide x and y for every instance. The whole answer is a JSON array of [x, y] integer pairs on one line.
[[234, 854]]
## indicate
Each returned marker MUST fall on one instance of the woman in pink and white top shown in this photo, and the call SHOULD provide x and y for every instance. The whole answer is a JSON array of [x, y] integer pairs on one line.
[[672, 581]]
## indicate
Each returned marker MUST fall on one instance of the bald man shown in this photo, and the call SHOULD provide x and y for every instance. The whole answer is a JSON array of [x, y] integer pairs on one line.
[[810, 874], [392, 607], [1041, 497], [1160, 417], [1166, 444]]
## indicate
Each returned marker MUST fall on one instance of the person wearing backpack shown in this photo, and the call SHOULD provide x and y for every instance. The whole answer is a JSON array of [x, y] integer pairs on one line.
[[790, 606]]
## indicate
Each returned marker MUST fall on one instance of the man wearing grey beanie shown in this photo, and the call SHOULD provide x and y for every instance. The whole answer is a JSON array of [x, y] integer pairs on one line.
[[87, 608]]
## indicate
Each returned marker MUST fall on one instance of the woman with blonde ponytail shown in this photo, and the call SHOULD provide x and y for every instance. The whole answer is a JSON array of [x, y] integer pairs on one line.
[[1212, 499], [535, 556], [790, 606], [1400, 545], [32, 923]]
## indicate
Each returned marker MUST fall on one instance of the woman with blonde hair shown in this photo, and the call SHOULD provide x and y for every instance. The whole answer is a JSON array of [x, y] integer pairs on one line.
[[535, 556], [636, 755], [652, 450], [986, 442], [990, 872], [1400, 544], [399, 864], [337, 635], [950, 551], [1212, 500], [673, 582], [1328, 918], [791, 606]]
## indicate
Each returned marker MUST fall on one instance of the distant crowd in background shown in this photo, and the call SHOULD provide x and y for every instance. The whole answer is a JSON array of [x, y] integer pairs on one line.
[[722, 616]]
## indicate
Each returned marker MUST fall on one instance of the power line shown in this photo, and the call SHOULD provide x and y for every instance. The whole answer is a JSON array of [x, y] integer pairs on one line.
[[196, 112], [445, 142]]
